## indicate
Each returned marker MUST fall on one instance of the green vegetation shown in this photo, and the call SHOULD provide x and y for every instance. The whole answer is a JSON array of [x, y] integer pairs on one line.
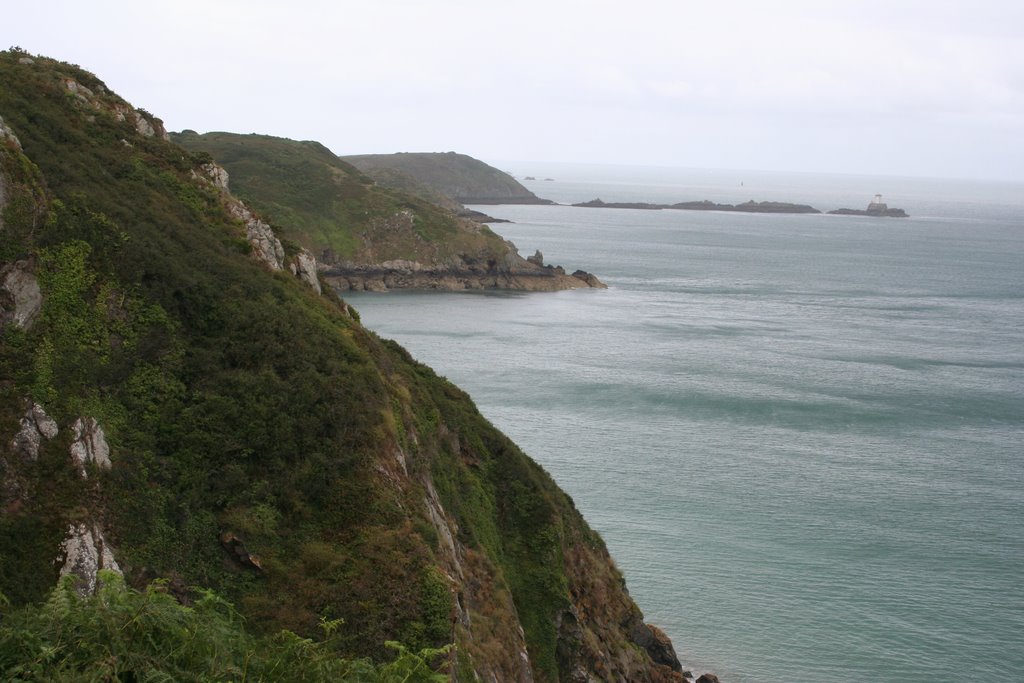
[[322, 202], [264, 444], [456, 176], [120, 634]]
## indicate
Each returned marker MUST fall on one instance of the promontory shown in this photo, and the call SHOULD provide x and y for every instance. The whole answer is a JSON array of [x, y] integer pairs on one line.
[[366, 236]]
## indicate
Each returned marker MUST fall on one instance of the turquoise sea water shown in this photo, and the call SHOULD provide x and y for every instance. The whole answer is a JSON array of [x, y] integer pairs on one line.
[[801, 436]]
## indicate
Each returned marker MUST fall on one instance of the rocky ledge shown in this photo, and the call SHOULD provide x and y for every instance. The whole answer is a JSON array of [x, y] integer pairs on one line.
[[459, 273], [479, 216]]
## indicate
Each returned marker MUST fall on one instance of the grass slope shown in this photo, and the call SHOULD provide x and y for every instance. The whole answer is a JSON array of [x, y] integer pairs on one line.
[[323, 202], [236, 401], [458, 176]]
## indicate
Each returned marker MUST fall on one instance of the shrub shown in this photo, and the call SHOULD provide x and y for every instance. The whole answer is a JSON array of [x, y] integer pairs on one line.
[[126, 635]]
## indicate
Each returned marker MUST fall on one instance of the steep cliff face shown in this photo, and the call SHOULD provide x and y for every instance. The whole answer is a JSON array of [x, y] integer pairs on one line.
[[178, 401]]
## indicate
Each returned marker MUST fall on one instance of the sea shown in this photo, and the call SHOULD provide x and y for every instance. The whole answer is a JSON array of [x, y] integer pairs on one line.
[[801, 436]]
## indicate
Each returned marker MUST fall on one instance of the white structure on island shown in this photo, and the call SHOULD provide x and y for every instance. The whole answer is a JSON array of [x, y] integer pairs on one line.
[[877, 204]]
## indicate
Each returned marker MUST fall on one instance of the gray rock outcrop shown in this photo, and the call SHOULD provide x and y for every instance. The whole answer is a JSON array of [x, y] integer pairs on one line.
[[20, 296], [463, 272], [265, 245], [36, 425], [217, 175], [657, 644], [304, 267], [84, 549], [143, 125], [589, 278], [85, 552], [7, 135], [89, 445], [81, 92]]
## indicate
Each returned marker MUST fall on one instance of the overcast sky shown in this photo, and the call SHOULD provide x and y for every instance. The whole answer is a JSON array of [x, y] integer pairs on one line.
[[901, 87]]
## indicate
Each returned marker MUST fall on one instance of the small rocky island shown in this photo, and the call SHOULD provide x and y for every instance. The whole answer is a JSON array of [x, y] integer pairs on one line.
[[705, 205], [876, 208]]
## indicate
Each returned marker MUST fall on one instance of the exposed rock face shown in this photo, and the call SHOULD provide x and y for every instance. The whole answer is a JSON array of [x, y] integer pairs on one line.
[[90, 445], [78, 90], [234, 545], [143, 125], [85, 553], [465, 272], [20, 296], [216, 174], [84, 548], [36, 425], [303, 266], [266, 247], [589, 278], [7, 135], [600, 606], [657, 644]]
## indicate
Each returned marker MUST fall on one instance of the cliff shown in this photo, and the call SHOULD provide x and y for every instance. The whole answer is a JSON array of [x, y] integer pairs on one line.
[[460, 177], [366, 236], [180, 400]]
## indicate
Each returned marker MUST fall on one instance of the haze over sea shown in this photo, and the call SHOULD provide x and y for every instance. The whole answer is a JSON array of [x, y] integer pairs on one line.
[[801, 436]]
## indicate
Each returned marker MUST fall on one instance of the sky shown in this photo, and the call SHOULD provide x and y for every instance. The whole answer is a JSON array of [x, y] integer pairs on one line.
[[903, 87]]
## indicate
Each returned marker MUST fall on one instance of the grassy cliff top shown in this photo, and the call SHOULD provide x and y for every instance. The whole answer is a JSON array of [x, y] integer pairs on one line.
[[458, 176], [322, 202]]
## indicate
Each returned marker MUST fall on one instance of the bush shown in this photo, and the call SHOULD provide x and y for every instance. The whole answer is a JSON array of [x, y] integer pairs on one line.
[[121, 634]]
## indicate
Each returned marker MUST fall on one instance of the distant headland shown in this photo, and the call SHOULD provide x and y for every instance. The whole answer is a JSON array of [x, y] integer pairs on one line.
[[458, 177]]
